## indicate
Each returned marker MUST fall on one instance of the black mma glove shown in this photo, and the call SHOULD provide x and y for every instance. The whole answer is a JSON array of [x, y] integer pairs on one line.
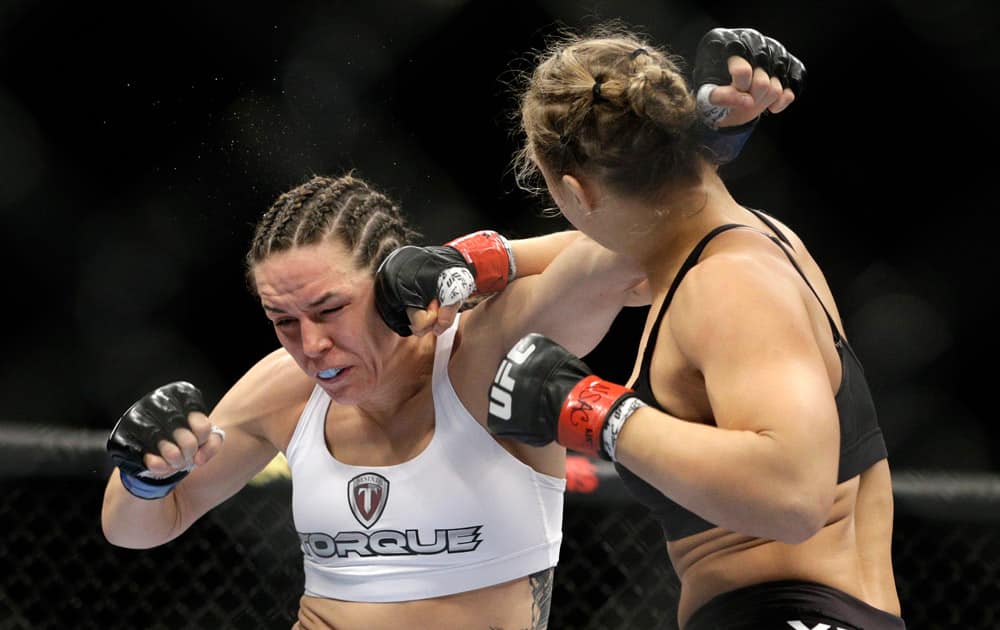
[[711, 68], [152, 418], [477, 264], [543, 393]]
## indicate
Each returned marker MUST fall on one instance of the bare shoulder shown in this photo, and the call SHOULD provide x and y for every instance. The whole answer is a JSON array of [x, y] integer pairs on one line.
[[817, 278], [269, 396], [735, 258], [798, 245], [477, 344], [485, 334], [743, 283]]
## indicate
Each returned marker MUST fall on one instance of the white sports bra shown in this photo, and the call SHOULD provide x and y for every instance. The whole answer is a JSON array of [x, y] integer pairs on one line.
[[461, 515]]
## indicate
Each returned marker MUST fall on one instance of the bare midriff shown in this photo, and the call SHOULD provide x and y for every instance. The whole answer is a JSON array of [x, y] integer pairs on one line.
[[505, 606], [850, 553]]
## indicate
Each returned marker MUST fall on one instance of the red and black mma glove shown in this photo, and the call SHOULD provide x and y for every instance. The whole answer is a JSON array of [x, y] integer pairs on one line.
[[711, 69], [543, 393], [476, 264], [152, 418]]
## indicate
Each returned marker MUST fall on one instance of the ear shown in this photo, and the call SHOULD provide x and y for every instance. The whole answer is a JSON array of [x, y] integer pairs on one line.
[[585, 196]]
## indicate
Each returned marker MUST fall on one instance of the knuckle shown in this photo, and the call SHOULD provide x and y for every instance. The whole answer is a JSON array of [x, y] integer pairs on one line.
[[167, 449], [199, 423], [185, 440]]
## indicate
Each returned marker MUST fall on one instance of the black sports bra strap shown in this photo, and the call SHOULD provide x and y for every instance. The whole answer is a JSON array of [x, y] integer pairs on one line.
[[689, 262], [769, 222], [766, 220], [829, 318], [692, 260]]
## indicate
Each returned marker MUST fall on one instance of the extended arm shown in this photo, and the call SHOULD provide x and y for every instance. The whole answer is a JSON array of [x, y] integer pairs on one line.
[[420, 289], [574, 301]]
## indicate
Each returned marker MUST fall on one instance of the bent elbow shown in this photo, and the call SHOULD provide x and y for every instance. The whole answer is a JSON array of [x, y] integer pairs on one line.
[[123, 540], [803, 518], [128, 537], [115, 536], [799, 528], [107, 528]]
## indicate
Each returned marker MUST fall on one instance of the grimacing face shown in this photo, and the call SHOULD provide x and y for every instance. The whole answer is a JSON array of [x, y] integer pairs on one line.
[[320, 305]]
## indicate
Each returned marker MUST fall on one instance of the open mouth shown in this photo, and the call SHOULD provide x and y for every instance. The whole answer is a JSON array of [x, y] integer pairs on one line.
[[329, 373]]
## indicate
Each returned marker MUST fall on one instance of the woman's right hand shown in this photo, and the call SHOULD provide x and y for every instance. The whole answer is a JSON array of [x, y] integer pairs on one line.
[[740, 73], [161, 437], [435, 318]]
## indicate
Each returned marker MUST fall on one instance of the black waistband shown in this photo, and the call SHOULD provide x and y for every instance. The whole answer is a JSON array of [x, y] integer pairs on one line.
[[779, 604]]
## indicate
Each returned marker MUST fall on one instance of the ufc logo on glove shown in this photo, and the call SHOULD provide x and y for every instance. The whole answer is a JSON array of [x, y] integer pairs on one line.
[[503, 384]]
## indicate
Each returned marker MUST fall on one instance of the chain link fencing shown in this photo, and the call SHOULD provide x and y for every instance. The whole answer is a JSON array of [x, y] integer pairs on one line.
[[240, 566]]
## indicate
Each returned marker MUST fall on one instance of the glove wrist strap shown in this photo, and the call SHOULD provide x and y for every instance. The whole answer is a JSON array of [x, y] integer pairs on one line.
[[586, 411], [614, 424], [724, 144], [150, 488], [490, 256]]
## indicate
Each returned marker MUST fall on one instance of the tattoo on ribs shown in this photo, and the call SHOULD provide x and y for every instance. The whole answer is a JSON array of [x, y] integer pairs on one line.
[[541, 598]]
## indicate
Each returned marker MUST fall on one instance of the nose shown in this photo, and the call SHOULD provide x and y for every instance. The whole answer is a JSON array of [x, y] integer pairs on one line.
[[315, 340]]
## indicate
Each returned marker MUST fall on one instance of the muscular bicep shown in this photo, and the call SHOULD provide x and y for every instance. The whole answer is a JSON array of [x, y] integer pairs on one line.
[[746, 327]]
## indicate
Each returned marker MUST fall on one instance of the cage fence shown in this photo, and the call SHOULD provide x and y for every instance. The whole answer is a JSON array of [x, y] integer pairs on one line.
[[240, 566]]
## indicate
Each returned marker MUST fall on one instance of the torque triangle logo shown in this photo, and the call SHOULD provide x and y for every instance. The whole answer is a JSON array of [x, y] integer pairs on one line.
[[367, 495]]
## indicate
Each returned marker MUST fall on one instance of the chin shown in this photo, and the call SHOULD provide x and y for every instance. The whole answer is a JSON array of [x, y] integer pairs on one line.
[[342, 395]]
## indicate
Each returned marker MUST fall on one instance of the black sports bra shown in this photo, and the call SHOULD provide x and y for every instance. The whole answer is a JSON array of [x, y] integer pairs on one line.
[[861, 442]]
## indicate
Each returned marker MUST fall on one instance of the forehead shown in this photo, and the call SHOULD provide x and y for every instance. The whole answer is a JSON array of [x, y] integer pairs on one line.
[[324, 266]]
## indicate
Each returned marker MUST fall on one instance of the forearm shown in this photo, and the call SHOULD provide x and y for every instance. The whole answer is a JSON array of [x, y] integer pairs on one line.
[[742, 481], [587, 276], [533, 255], [128, 521], [577, 265], [577, 297]]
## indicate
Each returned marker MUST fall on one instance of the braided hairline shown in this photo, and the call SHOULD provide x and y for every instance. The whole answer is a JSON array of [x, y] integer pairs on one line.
[[353, 224], [275, 231], [317, 222], [345, 208]]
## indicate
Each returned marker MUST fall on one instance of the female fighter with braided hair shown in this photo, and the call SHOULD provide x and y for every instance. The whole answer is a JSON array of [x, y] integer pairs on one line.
[[747, 426], [409, 512]]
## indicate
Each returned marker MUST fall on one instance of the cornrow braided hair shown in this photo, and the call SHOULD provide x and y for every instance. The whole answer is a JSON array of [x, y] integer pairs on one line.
[[346, 208]]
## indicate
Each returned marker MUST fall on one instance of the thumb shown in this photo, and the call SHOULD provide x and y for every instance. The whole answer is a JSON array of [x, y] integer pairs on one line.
[[211, 447], [728, 96], [422, 320], [446, 317]]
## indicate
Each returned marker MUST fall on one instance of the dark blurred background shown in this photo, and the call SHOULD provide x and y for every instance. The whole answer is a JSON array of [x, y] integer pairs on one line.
[[139, 142]]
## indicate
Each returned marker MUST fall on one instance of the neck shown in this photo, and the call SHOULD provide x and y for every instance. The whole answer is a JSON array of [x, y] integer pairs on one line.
[[405, 380], [678, 221]]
